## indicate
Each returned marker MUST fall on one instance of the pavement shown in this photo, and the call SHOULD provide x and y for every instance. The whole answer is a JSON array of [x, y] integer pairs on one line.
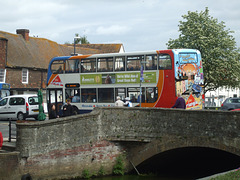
[[219, 174], [8, 146]]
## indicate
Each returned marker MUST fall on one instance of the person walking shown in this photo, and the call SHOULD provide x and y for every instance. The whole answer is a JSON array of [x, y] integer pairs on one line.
[[119, 102], [52, 112], [180, 103], [68, 109], [128, 103]]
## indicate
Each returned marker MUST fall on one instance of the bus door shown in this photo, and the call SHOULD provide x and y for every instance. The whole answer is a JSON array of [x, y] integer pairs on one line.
[[55, 96]]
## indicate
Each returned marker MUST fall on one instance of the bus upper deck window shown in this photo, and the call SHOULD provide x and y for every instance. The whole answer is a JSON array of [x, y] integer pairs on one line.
[[72, 66], [134, 63], [105, 64], [88, 65], [151, 62], [119, 64], [57, 67], [165, 61]]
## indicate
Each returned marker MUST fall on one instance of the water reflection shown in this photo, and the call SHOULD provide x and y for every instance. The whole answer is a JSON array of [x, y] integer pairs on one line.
[[135, 177]]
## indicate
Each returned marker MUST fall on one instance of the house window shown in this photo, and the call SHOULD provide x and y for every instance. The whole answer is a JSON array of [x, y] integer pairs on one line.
[[2, 75], [24, 75]]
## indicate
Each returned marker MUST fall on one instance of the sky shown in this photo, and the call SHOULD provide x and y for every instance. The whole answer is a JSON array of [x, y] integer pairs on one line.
[[139, 25]]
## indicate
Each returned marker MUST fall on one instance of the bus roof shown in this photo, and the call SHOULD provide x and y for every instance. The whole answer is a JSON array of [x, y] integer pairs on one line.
[[122, 54], [132, 53]]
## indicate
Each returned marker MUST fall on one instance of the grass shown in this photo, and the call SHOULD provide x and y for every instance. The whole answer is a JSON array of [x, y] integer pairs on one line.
[[234, 175]]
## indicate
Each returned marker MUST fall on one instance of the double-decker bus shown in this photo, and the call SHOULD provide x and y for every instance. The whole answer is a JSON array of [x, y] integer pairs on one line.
[[149, 79], [4, 90]]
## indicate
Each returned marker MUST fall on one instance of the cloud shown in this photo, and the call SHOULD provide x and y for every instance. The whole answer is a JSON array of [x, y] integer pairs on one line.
[[140, 25], [112, 30]]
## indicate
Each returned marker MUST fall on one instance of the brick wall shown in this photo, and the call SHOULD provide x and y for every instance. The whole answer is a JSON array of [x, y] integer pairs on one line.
[[35, 78], [9, 166], [63, 148]]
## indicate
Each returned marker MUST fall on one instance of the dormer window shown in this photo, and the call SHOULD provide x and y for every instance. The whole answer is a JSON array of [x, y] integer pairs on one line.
[[24, 76]]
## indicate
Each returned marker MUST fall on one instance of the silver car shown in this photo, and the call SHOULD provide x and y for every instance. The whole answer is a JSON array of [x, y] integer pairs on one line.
[[231, 103], [19, 107]]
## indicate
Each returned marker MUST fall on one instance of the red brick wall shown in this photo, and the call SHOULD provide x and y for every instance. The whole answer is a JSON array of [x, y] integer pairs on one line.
[[9, 165], [35, 78], [24, 33]]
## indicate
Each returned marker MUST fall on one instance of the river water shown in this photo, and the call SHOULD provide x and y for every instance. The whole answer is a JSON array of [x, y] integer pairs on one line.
[[136, 177]]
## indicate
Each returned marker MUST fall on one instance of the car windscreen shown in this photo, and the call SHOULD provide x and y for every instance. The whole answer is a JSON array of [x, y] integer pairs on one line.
[[233, 100], [3, 102]]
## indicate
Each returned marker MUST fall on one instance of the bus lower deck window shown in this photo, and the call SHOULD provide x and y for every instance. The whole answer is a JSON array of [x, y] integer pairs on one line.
[[106, 95], [88, 95]]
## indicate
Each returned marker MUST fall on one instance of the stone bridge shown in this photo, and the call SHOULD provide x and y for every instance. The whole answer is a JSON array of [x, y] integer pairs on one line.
[[64, 147]]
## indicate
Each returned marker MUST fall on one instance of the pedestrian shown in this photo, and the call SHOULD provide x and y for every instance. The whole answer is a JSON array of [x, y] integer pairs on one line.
[[52, 112], [180, 103], [67, 108], [119, 102], [128, 103]]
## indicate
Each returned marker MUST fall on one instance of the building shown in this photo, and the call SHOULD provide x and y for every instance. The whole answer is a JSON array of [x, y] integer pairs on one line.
[[24, 60], [217, 97]]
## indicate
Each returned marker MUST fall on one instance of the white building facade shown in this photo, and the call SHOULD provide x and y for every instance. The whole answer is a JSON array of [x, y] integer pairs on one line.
[[217, 97]]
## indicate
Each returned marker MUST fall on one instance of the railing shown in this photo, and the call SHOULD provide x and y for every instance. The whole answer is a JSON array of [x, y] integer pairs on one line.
[[12, 130]]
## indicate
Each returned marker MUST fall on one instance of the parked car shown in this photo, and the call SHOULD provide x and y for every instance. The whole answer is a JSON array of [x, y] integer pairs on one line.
[[236, 109], [230, 104], [19, 107]]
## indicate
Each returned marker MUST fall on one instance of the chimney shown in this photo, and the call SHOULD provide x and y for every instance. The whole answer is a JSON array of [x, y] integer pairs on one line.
[[24, 33]]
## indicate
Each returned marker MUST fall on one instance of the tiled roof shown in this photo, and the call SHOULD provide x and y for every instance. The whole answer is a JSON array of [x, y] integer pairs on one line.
[[37, 52], [2, 37], [102, 48]]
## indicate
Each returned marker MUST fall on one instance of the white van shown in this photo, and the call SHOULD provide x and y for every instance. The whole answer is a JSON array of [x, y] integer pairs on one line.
[[19, 107]]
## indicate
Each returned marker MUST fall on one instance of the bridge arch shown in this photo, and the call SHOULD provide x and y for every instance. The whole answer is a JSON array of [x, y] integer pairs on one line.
[[141, 153]]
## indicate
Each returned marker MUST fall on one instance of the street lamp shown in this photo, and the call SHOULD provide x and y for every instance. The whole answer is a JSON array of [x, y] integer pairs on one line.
[[141, 80], [74, 41]]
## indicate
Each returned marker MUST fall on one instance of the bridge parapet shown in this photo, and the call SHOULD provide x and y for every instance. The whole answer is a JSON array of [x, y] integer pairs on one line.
[[64, 147], [145, 124], [167, 129]]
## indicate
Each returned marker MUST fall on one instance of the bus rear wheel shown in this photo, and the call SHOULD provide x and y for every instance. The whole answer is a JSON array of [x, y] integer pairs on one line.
[[75, 110]]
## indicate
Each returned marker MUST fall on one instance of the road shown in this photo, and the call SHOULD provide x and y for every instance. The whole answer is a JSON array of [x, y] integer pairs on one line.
[[4, 128]]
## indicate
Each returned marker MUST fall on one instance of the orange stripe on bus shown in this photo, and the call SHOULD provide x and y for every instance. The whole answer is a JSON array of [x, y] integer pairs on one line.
[[51, 78], [160, 89], [160, 85], [80, 57]]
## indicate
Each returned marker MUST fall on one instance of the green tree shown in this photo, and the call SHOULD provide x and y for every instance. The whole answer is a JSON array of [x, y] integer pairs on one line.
[[220, 55], [81, 40]]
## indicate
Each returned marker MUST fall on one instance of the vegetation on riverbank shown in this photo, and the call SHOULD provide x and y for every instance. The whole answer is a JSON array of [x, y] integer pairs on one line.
[[118, 168], [234, 175]]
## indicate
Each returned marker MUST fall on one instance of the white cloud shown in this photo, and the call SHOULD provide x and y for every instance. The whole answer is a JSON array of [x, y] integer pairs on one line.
[[140, 25], [112, 30]]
